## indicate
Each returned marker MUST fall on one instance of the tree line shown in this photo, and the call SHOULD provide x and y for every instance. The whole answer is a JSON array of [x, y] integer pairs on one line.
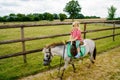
[[32, 17], [39, 16]]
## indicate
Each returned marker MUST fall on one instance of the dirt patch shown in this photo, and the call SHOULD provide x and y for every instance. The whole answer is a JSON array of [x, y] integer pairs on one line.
[[106, 67]]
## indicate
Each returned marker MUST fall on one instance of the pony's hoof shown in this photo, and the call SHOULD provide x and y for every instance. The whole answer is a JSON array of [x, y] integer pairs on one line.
[[89, 66], [61, 78], [74, 71], [93, 61]]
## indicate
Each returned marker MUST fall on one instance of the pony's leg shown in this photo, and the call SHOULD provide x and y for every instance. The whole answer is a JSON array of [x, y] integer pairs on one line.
[[92, 59], [62, 74], [59, 66], [93, 56], [72, 63], [64, 68], [73, 67]]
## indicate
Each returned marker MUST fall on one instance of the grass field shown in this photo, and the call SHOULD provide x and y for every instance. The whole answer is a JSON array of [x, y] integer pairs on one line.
[[14, 68]]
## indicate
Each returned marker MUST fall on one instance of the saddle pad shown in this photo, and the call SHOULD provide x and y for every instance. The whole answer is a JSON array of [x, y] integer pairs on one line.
[[82, 48]]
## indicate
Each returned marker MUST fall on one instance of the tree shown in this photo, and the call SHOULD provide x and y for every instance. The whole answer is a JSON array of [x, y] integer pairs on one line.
[[79, 16], [31, 17], [36, 17], [111, 13], [55, 16], [72, 8], [1, 19], [47, 16], [62, 17], [40, 16], [20, 17], [90, 17], [5, 18], [50, 17], [12, 17]]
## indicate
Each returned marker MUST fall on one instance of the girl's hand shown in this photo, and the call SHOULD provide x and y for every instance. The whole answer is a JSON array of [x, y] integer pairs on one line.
[[70, 41]]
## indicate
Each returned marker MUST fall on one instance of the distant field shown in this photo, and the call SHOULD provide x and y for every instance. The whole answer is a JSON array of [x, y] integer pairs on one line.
[[14, 68], [47, 22]]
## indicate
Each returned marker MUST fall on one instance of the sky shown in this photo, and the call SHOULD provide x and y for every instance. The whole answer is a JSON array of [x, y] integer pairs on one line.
[[89, 7]]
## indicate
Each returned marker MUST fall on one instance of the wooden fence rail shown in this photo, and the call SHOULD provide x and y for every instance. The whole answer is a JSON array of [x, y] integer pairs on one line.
[[29, 39], [53, 24], [23, 39], [52, 36]]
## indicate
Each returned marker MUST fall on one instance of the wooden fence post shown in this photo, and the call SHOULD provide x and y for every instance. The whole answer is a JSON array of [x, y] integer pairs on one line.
[[84, 30], [113, 31], [23, 44]]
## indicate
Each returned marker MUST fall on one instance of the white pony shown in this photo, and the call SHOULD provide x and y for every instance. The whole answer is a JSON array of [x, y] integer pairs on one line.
[[61, 50]]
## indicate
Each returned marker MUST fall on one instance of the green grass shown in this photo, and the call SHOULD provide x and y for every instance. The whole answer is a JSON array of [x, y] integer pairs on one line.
[[14, 68]]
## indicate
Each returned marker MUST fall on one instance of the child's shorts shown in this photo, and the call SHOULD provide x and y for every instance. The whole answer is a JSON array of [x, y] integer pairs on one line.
[[77, 43]]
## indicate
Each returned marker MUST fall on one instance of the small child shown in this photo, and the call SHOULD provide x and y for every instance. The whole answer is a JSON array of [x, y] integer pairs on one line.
[[76, 35]]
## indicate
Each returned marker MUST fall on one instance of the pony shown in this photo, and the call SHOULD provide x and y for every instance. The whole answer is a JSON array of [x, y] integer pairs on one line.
[[60, 49]]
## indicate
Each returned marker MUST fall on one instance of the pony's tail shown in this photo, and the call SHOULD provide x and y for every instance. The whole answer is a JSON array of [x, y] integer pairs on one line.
[[94, 53]]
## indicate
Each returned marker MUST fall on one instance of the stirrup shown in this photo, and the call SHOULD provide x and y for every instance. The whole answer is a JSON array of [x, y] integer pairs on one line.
[[77, 56]]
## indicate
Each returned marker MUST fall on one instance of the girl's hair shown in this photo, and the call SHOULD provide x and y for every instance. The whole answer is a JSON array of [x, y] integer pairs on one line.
[[76, 22]]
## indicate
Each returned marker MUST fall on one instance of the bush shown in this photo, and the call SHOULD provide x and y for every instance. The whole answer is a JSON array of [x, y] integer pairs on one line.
[[62, 17]]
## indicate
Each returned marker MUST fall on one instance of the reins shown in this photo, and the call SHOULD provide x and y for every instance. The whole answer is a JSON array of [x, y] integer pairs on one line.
[[50, 52]]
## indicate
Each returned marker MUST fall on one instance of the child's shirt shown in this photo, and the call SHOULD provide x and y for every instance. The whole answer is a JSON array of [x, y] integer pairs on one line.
[[76, 33]]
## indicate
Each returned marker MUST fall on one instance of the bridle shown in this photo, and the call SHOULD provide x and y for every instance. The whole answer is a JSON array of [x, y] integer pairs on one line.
[[49, 57]]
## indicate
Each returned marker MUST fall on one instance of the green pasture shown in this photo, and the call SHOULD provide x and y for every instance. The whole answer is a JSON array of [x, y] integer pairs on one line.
[[14, 68]]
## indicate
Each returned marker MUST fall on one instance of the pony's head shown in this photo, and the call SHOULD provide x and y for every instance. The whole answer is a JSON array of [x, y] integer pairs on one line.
[[47, 56], [48, 53]]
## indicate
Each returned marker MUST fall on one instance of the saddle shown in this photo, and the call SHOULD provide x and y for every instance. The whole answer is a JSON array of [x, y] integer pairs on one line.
[[73, 49]]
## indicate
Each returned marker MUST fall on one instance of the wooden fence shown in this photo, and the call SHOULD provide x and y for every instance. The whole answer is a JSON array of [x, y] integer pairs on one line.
[[23, 39]]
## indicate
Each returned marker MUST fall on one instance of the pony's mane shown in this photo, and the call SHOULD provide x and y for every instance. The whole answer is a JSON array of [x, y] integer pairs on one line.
[[55, 44]]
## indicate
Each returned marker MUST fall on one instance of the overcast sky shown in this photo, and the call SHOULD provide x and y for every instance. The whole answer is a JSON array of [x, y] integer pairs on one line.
[[89, 7]]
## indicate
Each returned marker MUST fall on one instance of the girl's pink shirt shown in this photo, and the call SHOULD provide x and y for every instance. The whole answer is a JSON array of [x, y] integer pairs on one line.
[[76, 33]]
